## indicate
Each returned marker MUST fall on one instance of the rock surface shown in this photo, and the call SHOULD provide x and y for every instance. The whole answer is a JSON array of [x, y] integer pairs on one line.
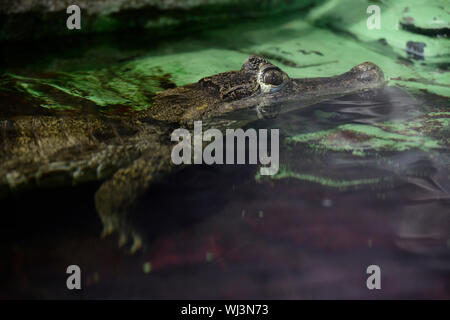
[[35, 19], [102, 6]]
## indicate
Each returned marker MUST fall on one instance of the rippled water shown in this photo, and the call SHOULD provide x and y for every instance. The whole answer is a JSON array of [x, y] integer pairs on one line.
[[224, 232]]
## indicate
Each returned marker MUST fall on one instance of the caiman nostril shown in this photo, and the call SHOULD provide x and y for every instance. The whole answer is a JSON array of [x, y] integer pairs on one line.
[[366, 66], [368, 72]]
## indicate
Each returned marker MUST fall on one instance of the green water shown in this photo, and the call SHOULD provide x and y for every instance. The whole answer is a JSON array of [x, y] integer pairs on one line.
[[124, 69]]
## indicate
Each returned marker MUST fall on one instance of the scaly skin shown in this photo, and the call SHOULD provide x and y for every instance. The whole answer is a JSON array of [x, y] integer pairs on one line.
[[133, 152]]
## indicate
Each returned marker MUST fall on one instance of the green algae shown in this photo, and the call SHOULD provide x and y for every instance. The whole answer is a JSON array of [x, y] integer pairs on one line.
[[286, 173], [375, 146], [104, 88], [350, 18], [358, 139], [438, 114]]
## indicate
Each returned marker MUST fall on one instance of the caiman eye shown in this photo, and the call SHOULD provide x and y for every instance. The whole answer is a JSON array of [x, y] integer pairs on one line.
[[273, 77]]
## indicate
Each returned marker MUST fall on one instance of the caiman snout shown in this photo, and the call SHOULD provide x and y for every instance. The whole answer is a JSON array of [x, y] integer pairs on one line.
[[260, 84]]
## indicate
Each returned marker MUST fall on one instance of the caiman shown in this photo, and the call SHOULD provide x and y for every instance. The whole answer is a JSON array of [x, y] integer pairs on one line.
[[129, 153]]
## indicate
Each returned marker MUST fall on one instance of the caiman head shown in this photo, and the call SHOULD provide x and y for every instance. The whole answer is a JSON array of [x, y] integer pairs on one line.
[[260, 88]]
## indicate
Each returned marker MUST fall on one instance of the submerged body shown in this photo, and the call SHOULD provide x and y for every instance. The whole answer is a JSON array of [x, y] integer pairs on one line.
[[133, 152]]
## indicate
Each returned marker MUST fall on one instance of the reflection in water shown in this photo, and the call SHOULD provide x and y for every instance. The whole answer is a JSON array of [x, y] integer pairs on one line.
[[388, 136], [388, 105]]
